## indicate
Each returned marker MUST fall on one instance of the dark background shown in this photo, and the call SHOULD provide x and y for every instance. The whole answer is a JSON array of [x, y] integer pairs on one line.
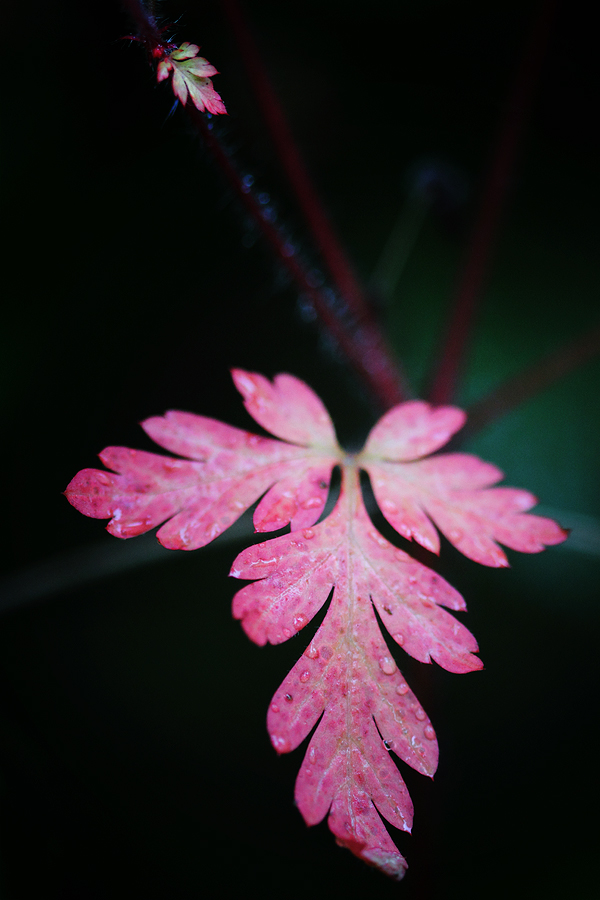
[[135, 761]]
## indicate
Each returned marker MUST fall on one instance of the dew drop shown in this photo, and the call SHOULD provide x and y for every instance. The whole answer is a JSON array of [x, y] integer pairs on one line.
[[429, 732], [311, 651], [389, 506], [264, 562], [274, 708], [312, 755], [326, 653], [312, 503], [399, 638], [300, 621], [289, 698], [308, 533], [420, 713], [286, 633], [402, 688], [305, 676], [388, 745], [280, 743], [387, 665]]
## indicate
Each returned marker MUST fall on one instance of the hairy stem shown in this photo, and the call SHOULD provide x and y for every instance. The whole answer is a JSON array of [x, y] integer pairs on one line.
[[385, 377], [360, 341], [347, 318], [143, 16]]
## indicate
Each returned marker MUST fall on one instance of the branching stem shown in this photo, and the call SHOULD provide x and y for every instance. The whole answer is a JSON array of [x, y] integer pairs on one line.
[[349, 321]]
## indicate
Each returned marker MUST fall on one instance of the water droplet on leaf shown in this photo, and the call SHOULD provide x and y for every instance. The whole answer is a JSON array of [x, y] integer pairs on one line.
[[280, 743], [312, 503], [304, 677], [429, 732], [265, 562], [387, 665]]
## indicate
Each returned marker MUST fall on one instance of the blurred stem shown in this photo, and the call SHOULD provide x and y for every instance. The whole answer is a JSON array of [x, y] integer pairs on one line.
[[475, 268], [398, 247], [360, 341], [377, 364], [350, 322], [531, 381], [143, 16]]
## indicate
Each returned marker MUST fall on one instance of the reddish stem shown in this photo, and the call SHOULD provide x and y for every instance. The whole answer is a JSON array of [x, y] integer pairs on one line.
[[485, 229], [353, 327], [531, 381], [391, 385], [148, 31], [359, 342]]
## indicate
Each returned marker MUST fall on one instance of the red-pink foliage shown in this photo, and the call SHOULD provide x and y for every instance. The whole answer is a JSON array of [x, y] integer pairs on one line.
[[191, 78], [347, 680]]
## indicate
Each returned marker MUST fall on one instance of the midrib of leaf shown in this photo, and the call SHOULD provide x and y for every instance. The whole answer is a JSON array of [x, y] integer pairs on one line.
[[351, 650], [352, 499], [349, 489]]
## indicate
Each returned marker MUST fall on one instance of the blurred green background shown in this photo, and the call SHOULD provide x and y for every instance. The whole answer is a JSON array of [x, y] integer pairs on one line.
[[134, 756]]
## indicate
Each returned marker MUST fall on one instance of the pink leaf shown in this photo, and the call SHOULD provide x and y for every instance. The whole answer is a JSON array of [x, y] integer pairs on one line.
[[191, 76], [447, 490], [200, 498], [346, 685], [347, 672], [413, 429], [185, 51], [287, 408]]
